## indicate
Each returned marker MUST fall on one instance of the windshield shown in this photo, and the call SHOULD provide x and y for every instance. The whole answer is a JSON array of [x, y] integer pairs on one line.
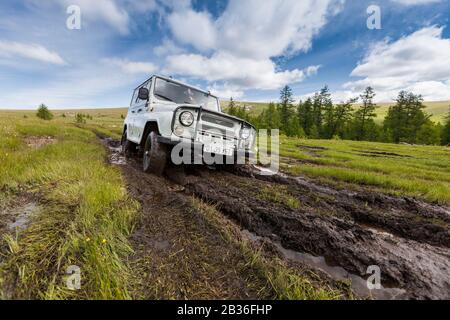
[[174, 92]]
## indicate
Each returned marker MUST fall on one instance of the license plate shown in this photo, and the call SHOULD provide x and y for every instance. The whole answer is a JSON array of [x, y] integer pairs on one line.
[[218, 148]]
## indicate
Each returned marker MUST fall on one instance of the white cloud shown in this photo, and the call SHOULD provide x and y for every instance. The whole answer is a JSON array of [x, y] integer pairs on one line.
[[226, 91], [87, 86], [236, 49], [243, 72], [416, 2], [131, 67], [168, 47], [107, 11], [194, 28], [12, 50], [419, 62]]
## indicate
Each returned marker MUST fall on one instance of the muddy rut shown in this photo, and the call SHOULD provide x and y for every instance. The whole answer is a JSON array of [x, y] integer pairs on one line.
[[407, 239]]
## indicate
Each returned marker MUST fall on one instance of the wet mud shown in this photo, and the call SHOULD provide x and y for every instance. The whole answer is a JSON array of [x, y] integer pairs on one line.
[[338, 232]]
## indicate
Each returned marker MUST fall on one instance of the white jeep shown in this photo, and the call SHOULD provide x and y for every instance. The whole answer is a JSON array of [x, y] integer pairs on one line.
[[171, 120]]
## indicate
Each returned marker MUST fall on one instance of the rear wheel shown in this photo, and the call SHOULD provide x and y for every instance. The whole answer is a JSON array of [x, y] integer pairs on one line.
[[128, 147], [155, 155]]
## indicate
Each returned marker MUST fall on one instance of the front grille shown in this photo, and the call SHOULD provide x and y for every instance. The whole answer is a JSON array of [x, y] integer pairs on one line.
[[218, 121], [215, 135]]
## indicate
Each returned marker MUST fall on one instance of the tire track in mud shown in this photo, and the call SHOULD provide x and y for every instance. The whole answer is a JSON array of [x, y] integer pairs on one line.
[[412, 252], [177, 254], [408, 239]]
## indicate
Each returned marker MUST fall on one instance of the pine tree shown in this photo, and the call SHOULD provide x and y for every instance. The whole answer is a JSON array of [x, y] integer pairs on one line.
[[342, 114], [44, 113], [406, 117], [363, 117], [232, 107], [285, 107], [429, 134], [304, 112], [445, 136], [272, 117]]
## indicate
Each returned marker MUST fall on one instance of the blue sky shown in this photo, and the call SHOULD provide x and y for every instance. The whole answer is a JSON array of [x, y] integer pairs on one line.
[[247, 49]]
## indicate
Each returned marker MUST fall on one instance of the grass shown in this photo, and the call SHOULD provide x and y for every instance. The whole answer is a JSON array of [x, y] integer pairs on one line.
[[420, 171], [280, 195], [85, 216]]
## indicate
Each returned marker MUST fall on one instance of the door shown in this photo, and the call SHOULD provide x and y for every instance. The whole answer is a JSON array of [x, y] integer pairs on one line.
[[132, 117], [141, 110]]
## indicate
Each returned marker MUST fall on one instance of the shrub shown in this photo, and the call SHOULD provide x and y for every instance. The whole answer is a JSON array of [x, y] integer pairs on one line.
[[79, 118], [44, 113]]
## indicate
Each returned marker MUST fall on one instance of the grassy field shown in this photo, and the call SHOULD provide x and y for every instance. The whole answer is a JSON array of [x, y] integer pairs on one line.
[[437, 110], [421, 171], [85, 215]]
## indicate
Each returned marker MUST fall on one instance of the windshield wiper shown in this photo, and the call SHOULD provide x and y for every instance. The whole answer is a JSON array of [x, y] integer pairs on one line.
[[164, 97]]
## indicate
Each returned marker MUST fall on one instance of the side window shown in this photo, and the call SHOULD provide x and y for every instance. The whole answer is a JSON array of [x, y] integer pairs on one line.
[[133, 99], [145, 85]]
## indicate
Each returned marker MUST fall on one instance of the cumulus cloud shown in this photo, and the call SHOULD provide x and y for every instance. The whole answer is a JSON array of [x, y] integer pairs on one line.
[[111, 12], [419, 62], [237, 48], [131, 67], [168, 47], [226, 91], [243, 72], [13, 50]]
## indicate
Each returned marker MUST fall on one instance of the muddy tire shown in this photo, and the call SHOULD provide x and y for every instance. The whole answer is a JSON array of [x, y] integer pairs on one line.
[[128, 147], [155, 155]]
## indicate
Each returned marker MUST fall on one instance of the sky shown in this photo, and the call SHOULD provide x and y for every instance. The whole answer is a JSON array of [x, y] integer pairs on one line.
[[245, 49]]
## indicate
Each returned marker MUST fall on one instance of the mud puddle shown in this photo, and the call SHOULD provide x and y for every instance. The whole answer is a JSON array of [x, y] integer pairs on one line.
[[16, 216], [22, 217], [350, 230], [116, 156], [38, 142], [338, 231], [358, 284], [177, 255]]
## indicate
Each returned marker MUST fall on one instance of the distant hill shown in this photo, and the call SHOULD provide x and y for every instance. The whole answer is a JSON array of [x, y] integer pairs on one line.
[[437, 109]]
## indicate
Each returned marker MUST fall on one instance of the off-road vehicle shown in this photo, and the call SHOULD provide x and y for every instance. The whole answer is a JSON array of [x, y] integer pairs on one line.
[[168, 120]]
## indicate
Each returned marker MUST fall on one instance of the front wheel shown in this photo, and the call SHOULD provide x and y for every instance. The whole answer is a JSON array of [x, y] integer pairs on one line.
[[155, 155]]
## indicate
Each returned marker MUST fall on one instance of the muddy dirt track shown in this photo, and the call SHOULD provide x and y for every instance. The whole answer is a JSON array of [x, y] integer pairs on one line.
[[407, 239]]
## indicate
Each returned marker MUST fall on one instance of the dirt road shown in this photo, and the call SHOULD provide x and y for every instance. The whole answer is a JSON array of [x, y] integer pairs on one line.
[[338, 233]]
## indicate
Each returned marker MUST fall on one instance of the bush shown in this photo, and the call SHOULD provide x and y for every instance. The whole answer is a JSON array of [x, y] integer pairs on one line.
[[44, 113], [80, 118]]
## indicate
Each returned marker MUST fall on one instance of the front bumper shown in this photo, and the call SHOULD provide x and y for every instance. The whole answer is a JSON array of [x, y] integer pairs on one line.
[[196, 148]]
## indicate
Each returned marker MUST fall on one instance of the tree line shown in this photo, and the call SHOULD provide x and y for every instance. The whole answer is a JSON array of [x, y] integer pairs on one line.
[[319, 118]]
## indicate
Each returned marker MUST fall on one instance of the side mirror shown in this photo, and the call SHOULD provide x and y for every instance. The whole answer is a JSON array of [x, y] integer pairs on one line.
[[143, 94]]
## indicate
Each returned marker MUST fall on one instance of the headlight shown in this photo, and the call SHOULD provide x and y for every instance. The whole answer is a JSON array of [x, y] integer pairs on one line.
[[179, 130], [186, 118], [245, 133]]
